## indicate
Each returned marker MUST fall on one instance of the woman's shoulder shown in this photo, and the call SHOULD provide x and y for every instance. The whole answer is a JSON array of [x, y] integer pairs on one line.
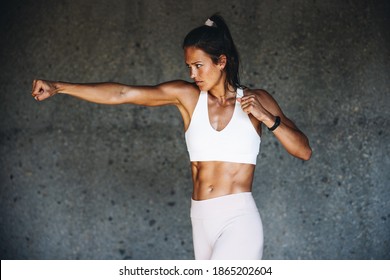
[[186, 93], [181, 88]]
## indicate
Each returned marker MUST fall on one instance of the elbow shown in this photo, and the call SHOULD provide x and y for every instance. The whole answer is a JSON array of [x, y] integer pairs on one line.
[[306, 154], [303, 153]]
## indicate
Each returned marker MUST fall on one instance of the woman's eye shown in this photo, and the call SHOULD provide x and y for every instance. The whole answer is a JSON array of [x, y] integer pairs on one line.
[[198, 65]]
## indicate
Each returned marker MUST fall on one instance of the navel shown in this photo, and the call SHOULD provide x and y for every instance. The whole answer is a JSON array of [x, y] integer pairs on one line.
[[210, 189]]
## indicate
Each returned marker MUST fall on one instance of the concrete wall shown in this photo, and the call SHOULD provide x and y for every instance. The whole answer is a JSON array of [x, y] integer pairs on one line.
[[87, 181]]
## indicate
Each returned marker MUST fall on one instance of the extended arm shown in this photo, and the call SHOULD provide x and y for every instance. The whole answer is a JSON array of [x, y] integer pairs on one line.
[[179, 93], [112, 93]]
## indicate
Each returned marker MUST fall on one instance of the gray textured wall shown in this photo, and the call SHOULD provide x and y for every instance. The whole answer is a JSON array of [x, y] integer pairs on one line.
[[87, 181]]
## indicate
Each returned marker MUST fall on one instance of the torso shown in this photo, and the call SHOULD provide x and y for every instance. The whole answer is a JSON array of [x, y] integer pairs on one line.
[[217, 178]]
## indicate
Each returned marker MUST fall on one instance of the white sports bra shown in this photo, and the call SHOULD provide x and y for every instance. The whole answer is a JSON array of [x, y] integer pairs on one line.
[[237, 142]]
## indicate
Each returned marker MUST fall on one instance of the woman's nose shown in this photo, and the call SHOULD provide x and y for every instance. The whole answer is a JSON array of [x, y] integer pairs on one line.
[[192, 73]]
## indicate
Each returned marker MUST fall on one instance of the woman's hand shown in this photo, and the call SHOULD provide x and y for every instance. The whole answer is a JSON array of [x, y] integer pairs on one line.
[[251, 104], [43, 89]]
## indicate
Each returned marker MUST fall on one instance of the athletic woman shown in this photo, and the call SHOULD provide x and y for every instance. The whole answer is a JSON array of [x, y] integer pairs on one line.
[[223, 123]]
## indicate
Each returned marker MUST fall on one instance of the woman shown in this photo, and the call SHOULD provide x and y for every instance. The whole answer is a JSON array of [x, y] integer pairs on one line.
[[222, 123]]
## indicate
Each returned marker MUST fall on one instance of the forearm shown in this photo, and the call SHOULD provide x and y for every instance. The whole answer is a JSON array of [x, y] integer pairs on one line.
[[103, 93], [293, 140]]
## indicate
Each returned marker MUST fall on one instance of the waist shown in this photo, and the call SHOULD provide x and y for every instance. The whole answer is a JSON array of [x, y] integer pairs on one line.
[[223, 205]]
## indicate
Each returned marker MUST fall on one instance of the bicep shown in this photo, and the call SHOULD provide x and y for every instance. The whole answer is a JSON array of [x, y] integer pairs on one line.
[[158, 95]]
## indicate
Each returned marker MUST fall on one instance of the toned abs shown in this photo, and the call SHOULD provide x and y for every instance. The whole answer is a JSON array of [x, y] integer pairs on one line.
[[215, 178]]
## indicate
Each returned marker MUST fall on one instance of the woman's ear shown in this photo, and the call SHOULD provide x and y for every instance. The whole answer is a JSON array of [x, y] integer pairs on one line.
[[222, 61]]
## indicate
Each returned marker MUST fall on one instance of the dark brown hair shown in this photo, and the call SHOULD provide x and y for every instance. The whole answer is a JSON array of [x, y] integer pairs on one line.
[[216, 40]]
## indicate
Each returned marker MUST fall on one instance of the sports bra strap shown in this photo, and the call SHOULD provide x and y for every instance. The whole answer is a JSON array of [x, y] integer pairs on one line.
[[240, 92]]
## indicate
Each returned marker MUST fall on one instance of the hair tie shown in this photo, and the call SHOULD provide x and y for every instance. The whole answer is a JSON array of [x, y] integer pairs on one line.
[[210, 23]]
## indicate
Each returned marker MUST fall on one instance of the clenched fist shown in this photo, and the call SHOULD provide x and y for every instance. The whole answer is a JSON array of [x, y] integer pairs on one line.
[[43, 89]]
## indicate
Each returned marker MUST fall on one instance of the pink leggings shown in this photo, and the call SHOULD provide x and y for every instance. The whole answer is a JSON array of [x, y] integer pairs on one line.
[[227, 227]]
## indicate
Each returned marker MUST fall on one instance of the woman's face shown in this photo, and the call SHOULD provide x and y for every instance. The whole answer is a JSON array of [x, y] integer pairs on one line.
[[206, 74]]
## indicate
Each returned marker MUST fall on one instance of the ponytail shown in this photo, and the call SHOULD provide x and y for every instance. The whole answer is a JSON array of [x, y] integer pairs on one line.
[[214, 38]]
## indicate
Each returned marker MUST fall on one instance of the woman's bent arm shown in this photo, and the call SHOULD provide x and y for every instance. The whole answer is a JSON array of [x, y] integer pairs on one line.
[[263, 107]]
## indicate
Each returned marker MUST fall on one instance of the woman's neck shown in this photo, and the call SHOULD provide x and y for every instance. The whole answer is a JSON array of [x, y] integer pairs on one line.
[[223, 93]]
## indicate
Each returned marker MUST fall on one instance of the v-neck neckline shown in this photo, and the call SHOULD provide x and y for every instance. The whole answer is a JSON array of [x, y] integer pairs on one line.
[[208, 115]]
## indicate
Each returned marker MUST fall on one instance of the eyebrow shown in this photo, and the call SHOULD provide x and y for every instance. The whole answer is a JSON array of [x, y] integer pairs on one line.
[[196, 62]]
